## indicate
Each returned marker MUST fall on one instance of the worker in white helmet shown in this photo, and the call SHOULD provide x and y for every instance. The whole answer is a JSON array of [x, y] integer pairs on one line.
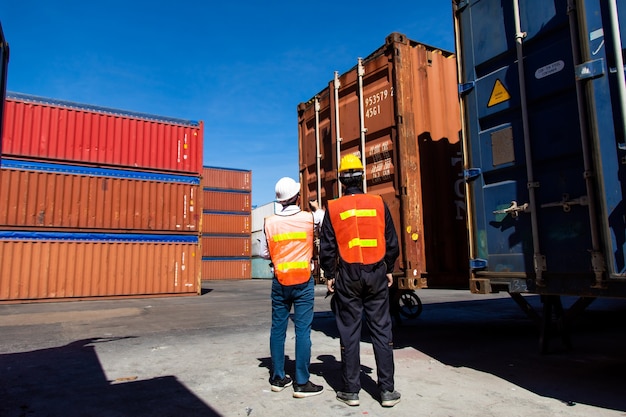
[[288, 242]]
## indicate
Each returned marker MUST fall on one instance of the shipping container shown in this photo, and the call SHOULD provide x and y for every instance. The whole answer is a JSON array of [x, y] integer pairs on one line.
[[226, 178], [225, 223], [4, 66], [226, 200], [44, 266], [226, 246], [260, 213], [397, 110], [226, 268], [543, 100], [261, 268], [39, 195], [49, 129]]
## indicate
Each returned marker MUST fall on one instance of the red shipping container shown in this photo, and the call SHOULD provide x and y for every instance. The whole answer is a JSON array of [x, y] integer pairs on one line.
[[38, 195], [226, 223], [226, 269], [214, 200], [226, 178], [41, 128], [54, 266], [223, 246]]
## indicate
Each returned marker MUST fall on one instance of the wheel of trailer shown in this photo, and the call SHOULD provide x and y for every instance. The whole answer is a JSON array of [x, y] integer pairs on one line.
[[409, 304]]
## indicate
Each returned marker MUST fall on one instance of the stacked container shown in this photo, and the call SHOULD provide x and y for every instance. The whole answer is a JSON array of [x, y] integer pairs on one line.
[[226, 221], [260, 267], [97, 202]]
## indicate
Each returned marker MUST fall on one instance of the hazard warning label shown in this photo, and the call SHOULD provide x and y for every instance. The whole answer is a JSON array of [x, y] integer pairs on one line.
[[498, 94]]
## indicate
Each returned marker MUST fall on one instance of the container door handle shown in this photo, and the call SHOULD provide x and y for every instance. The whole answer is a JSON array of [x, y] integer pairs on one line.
[[514, 209]]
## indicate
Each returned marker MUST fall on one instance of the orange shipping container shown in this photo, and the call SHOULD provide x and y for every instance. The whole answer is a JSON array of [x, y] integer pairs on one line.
[[225, 223], [230, 269], [398, 111], [226, 178], [43, 128], [221, 246], [215, 200], [54, 266], [37, 195]]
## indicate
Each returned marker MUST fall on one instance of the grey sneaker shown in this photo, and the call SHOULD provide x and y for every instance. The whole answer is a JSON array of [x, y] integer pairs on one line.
[[350, 398], [280, 384], [389, 398], [306, 390]]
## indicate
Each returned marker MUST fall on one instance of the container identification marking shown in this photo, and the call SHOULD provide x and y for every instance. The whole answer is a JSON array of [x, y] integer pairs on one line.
[[549, 69], [499, 94]]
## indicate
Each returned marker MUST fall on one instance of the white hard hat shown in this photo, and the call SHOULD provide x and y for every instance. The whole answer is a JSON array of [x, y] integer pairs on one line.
[[286, 188]]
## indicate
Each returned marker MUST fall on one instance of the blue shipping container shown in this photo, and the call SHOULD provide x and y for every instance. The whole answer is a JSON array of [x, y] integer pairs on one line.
[[543, 102]]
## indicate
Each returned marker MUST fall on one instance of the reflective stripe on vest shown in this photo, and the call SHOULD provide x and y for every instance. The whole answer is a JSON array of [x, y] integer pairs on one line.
[[359, 224], [290, 242]]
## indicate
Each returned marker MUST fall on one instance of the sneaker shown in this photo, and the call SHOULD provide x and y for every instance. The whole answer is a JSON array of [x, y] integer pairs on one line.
[[307, 390], [280, 384], [389, 398], [350, 398]]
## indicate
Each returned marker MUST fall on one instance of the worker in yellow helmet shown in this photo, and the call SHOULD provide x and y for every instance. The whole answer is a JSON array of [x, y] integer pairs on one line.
[[359, 246]]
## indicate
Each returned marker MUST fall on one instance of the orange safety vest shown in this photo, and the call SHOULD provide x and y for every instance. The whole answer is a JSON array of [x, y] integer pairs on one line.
[[290, 242], [359, 223]]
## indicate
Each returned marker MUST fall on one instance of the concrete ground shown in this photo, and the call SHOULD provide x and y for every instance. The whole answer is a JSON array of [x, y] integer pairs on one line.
[[465, 355]]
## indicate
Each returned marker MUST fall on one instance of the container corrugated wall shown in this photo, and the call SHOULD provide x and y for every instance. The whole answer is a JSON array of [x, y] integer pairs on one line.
[[38, 195], [225, 246], [54, 266], [225, 223], [226, 268], [42, 128], [239, 201], [226, 179], [411, 124]]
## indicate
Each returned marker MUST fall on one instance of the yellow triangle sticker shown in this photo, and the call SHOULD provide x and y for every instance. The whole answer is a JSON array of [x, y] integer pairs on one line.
[[498, 94]]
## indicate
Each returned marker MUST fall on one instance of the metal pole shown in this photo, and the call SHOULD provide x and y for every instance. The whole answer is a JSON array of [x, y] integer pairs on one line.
[[337, 84], [619, 63], [361, 72], [318, 170]]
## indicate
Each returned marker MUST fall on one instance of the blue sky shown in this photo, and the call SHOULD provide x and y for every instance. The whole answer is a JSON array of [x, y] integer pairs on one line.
[[242, 67]]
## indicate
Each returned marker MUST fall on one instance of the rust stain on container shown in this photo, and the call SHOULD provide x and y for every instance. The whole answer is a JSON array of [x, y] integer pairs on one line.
[[227, 201], [223, 246], [226, 269], [43, 128], [48, 266], [37, 195], [225, 223], [408, 112], [226, 178]]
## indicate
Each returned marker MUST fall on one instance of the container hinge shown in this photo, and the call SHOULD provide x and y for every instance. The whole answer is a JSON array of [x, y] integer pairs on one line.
[[461, 4], [534, 184], [465, 87], [590, 69], [567, 203], [478, 263], [599, 268], [471, 174], [613, 70], [514, 210]]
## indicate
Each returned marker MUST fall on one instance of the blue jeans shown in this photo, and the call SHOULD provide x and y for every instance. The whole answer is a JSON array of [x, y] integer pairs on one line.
[[302, 297]]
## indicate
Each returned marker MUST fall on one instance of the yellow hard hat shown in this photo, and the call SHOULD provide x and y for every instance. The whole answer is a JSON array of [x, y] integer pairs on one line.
[[350, 164]]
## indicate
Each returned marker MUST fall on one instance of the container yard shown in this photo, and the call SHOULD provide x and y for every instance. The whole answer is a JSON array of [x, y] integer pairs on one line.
[[398, 111]]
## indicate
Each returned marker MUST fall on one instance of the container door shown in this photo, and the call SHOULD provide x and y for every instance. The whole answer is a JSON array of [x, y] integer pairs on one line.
[[541, 155]]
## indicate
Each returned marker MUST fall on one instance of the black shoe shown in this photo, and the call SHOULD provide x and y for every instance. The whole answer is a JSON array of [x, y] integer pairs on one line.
[[280, 384], [389, 398], [350, 398], [307, 390]]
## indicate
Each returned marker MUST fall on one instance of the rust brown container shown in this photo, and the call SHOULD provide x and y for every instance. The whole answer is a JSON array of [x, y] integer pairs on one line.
[[215, 200], [225, 223], [60, 266], [226, 269], [398, 111], [226, 178], [40, 195], [43, 128], [226, 246]]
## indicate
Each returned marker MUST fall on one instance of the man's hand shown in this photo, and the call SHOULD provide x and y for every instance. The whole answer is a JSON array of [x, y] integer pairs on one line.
[[389, 280], [314, 205], [330, 285]]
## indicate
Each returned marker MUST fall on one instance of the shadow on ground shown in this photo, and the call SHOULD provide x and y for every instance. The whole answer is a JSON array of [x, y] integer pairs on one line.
[[494, 336], [68, 381]]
